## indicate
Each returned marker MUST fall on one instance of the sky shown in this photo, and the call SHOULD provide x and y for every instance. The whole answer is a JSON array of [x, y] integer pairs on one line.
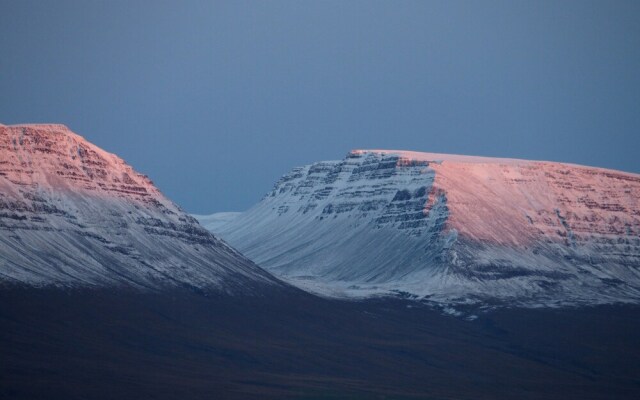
[[215, 100]]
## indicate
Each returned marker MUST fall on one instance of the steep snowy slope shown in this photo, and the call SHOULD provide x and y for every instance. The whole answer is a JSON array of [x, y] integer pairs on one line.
[[450, 228], [214, 222], [72, 214]]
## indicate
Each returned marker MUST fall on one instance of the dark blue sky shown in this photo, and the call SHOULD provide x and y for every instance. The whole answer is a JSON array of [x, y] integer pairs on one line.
[[216, 100]]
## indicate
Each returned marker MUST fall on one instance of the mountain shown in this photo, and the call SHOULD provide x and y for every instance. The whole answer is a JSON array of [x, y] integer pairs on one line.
[[448, 228], [72, 214], [109, 290]]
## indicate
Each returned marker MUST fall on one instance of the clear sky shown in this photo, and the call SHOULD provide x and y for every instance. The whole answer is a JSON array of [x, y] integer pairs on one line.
[[216, 100]]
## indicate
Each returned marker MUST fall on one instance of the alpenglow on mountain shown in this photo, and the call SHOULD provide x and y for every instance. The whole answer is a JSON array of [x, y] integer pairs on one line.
[[450, 228], [72, 214]]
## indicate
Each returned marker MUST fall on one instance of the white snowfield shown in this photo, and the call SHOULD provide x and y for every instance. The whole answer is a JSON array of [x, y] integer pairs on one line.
[[453, 229], [72, 214]]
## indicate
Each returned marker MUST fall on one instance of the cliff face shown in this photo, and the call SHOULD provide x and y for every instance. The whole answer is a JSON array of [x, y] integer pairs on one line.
[[450, 228], [72, 214]]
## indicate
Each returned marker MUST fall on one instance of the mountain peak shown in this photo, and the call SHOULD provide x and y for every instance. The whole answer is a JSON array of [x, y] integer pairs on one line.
[[51, 155], [405, 156], [74, 214], [44, 126], [436, 157], [51, 130], [450, 227]]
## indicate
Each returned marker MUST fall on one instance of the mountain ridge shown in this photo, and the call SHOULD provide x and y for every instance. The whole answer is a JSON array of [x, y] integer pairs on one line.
[[459, 229], [471, 159], [73, 214]]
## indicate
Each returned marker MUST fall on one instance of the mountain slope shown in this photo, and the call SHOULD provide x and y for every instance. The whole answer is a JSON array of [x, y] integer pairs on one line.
[[214, 222], [72, 214], [450, 228]]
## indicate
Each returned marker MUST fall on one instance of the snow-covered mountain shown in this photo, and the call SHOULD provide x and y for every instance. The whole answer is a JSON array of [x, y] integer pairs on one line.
[[450, 228], [72, 214]]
